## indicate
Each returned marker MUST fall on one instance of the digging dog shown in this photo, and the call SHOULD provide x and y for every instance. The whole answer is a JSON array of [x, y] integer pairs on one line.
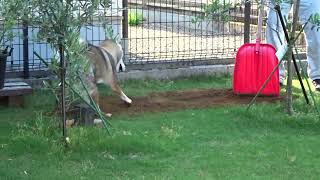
[[104, 60], [115, 49]]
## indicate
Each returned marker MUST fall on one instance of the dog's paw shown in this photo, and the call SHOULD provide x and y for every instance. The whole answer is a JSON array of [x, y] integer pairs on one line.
[[108, 114], [98, 123], [125, 99]]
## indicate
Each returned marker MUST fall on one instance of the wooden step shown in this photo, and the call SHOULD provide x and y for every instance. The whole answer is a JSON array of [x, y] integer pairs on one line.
[[13, 93]]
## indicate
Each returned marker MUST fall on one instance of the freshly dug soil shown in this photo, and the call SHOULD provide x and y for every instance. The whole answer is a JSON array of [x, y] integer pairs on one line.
[[177, 100]]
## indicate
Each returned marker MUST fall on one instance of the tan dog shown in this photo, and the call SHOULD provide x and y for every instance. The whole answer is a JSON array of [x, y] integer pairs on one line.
[[115, 50], [104, 60]]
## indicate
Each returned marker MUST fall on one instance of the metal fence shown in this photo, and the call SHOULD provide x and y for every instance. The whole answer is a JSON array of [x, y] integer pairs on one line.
[[171, 34], [154, 33]]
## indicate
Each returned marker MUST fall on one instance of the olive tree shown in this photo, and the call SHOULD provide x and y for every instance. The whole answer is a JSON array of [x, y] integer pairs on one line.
[[59, 23]]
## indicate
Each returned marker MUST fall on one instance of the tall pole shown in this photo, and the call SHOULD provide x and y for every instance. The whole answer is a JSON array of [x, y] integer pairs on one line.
[[125, 29], [26, 74], [288, 102], [247, 21], [125, 25]]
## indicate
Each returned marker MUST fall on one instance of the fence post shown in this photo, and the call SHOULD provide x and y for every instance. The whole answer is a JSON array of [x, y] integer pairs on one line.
[[125, 27], [26, 72], [247, 10]]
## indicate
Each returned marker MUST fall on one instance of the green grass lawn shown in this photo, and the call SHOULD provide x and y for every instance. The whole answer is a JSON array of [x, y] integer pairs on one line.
[[213, 143]]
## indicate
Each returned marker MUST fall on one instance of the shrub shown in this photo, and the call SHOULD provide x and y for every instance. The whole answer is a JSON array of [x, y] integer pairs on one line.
[[135, 18]]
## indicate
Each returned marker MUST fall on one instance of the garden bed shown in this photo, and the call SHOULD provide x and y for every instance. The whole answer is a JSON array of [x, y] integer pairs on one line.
[[175, 100]]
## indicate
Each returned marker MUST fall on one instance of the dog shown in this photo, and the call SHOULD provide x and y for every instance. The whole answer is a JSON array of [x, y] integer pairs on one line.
[[115, 49], [104, 60]]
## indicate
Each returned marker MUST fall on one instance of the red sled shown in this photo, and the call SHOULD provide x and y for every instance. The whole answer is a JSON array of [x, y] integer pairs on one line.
[[253, 65]]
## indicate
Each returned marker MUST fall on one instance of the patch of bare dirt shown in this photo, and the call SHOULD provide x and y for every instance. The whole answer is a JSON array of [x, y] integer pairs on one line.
[[177, 100]]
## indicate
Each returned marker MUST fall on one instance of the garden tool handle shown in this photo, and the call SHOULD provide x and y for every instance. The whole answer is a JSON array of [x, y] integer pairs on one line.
[[283, 24], [259, 32], [286, 34]]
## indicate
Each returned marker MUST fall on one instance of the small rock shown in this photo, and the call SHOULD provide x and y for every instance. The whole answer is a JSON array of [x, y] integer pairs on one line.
[[70, 122]]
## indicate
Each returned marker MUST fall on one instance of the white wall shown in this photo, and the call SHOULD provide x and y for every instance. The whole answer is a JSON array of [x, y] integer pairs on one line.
[[93, 34]]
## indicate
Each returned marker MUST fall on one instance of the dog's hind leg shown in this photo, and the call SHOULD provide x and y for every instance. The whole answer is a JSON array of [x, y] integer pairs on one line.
[[110, 76], [116, 88]]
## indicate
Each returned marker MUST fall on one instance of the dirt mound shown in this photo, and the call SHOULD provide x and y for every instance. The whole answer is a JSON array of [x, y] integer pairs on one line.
[[170, 101]]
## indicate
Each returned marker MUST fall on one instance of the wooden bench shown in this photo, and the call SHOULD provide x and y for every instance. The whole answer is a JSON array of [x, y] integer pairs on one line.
[[13, 92]]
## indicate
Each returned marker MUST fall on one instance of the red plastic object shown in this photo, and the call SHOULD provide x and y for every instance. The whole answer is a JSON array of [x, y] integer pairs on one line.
[[254, 63]]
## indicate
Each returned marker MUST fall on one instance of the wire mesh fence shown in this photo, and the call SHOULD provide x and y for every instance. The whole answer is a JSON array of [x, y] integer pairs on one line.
[[155, 32], [173, 30]]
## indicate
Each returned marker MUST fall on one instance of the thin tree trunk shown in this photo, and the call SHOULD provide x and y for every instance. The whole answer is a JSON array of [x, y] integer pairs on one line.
[[288, 102], [63, 82]]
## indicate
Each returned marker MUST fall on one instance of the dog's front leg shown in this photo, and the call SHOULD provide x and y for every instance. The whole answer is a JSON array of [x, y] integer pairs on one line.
[[95, 96]]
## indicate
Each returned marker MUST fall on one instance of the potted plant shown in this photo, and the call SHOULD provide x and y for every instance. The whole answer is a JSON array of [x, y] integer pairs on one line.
[[3, 63], [8, 19]]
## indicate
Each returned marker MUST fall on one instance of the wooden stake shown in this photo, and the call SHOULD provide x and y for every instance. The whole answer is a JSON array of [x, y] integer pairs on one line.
[[288, 98]]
